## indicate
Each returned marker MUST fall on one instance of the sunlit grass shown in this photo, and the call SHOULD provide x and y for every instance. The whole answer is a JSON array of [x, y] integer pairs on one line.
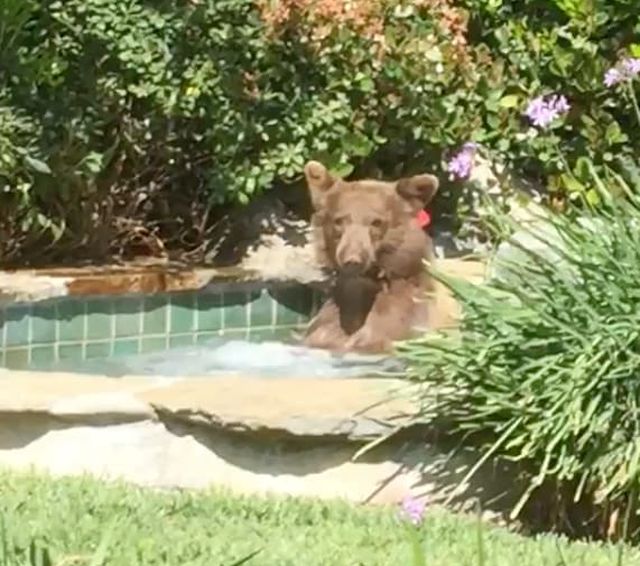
[[82, 521]]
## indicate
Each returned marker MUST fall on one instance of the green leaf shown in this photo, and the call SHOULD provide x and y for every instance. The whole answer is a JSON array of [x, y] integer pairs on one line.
[[509, 101], [342, 169], [42, 220], [572, 184], [583, 167], [92, 163], [634, 49], [357, 144], [593, 198], [614, 134], [37, 165], [367, 84]]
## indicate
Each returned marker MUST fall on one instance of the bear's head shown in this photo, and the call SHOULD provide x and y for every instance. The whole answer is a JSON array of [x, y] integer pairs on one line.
[[369, 225]]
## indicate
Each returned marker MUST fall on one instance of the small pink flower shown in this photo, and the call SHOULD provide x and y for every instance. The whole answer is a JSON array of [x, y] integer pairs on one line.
[[631, 66], [612, 77], [542, 111], [461, 165], [625, 70], [413, 510]]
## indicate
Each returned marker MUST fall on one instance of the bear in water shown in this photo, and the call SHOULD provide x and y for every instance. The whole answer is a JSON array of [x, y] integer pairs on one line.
[[367, 235]]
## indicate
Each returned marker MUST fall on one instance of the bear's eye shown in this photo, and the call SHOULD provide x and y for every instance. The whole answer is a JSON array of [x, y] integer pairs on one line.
[[338, 222], [377, 223]]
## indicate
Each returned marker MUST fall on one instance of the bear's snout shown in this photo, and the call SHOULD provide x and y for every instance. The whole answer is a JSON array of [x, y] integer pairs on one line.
[[355, 249]]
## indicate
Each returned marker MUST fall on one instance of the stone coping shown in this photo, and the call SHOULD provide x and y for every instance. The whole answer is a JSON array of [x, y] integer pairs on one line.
[[36, 285], [148, 278], [352, 409]]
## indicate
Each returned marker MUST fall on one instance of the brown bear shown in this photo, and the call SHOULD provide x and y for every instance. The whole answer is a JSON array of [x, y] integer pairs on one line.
[[366, 234]]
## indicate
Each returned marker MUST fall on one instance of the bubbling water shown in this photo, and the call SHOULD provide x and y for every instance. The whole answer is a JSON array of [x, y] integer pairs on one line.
[[221, 357]]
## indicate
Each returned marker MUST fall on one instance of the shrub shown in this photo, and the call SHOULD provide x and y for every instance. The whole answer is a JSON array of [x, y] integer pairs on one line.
[[544, 367], [129, 123], [143, 117]]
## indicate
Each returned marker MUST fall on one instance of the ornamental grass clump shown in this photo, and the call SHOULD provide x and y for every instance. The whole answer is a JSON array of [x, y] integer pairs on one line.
[[545, 367]]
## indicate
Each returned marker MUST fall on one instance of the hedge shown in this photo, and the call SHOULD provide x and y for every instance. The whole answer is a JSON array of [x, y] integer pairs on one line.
[[125, 124]]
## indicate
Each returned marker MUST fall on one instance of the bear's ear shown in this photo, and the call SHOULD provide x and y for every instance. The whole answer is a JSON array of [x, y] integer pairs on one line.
[[418, 190], [319, 181]]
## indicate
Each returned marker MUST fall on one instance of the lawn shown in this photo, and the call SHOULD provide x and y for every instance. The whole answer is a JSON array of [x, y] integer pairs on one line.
[[72, 517]]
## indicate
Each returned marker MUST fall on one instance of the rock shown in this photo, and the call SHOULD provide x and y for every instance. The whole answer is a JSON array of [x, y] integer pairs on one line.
[[543, 239], [29, 286], [122, 405], [268, 238], [249, 435], [274, 258]]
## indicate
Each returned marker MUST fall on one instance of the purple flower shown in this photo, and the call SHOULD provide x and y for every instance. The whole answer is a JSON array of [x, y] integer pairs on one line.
[[542, 111], [631, 66], [461, 164], [560, 103], [626, 69], [413, 510], [612, 77], [539, 112]]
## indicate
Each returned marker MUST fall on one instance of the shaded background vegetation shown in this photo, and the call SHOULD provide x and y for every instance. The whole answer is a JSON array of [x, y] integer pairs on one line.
[[127, 126]]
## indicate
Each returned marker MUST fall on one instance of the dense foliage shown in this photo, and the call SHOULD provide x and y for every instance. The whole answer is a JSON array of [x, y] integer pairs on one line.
[[544, 368], [123, 124]]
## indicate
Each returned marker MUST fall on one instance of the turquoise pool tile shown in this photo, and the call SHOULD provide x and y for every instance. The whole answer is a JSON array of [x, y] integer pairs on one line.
[[209, 315], [43, 356], [236, 310], [154, 344], [87, 329], [16, 358], [71, 320], [128, 313], [181, 340], [182, 317], [288, 335], [264, 334], [243, 334], [98, 350], [262, 310], [126, 347], [43, 324], [204, 337], [236, 334], [70, 352], [99, 317], [155, 315], [17, 325]]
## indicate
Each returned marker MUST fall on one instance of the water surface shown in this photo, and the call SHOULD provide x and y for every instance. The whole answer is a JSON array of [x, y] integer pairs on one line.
[[224, 357]]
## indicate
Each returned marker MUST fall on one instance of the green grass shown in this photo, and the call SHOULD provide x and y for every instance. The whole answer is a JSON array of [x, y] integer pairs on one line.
[[71, 516]]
